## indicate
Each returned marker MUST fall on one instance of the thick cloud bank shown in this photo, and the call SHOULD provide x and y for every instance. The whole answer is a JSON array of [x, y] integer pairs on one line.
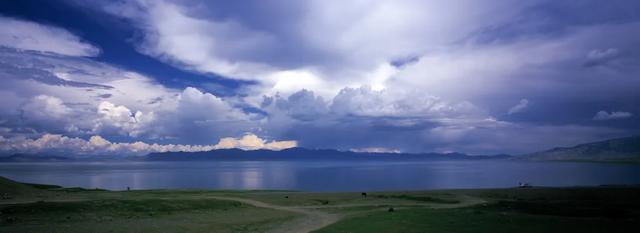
[[54, 144], [495, 76]]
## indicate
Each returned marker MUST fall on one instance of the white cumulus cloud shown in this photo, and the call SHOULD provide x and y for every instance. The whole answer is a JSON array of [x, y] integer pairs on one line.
[[122, 119], [43, 107], [364, 101], [253, 142]]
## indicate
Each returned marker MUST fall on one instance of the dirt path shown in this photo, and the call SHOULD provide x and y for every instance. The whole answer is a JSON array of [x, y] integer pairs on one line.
[[312, 220]]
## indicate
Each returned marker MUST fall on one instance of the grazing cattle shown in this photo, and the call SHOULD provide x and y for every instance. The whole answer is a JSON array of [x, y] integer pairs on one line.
[[391, 209], [364, 194]]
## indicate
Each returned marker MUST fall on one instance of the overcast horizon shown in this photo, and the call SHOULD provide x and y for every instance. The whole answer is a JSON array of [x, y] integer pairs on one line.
[[132, 77]]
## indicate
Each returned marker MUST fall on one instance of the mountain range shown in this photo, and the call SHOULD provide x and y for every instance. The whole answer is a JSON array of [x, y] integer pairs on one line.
[[613, 150], [307, 154], [34, 158]]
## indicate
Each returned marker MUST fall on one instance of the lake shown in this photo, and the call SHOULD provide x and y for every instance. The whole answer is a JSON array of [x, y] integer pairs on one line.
[[321, 175]]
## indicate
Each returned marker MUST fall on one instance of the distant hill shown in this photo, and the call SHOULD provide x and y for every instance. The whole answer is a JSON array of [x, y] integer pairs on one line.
[[306, 154], [614, 150], [10, 189], [33, 158], [8, 186]]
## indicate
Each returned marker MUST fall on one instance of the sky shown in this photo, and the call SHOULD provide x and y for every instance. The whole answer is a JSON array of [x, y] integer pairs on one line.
[[130, 77]]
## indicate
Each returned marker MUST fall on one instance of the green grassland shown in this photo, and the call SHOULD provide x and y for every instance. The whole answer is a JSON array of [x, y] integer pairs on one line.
[[512, 210], [48, 208]]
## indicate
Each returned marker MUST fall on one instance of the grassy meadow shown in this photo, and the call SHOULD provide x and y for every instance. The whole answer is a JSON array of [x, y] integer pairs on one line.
[[48, 208]]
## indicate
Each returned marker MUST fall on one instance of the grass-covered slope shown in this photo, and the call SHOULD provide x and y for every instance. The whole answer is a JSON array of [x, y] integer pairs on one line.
[[614, 150], [10, 188]]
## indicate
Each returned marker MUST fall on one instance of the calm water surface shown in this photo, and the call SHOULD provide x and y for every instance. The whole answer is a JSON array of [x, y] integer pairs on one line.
[[320, 175]]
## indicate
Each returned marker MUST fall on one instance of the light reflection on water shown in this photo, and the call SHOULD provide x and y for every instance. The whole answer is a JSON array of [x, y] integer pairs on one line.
[[319, 175]]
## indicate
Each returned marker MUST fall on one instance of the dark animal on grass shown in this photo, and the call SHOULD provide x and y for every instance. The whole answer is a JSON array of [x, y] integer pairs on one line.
[[391, 209], [364, 194], [10, 219], [323, 202]]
